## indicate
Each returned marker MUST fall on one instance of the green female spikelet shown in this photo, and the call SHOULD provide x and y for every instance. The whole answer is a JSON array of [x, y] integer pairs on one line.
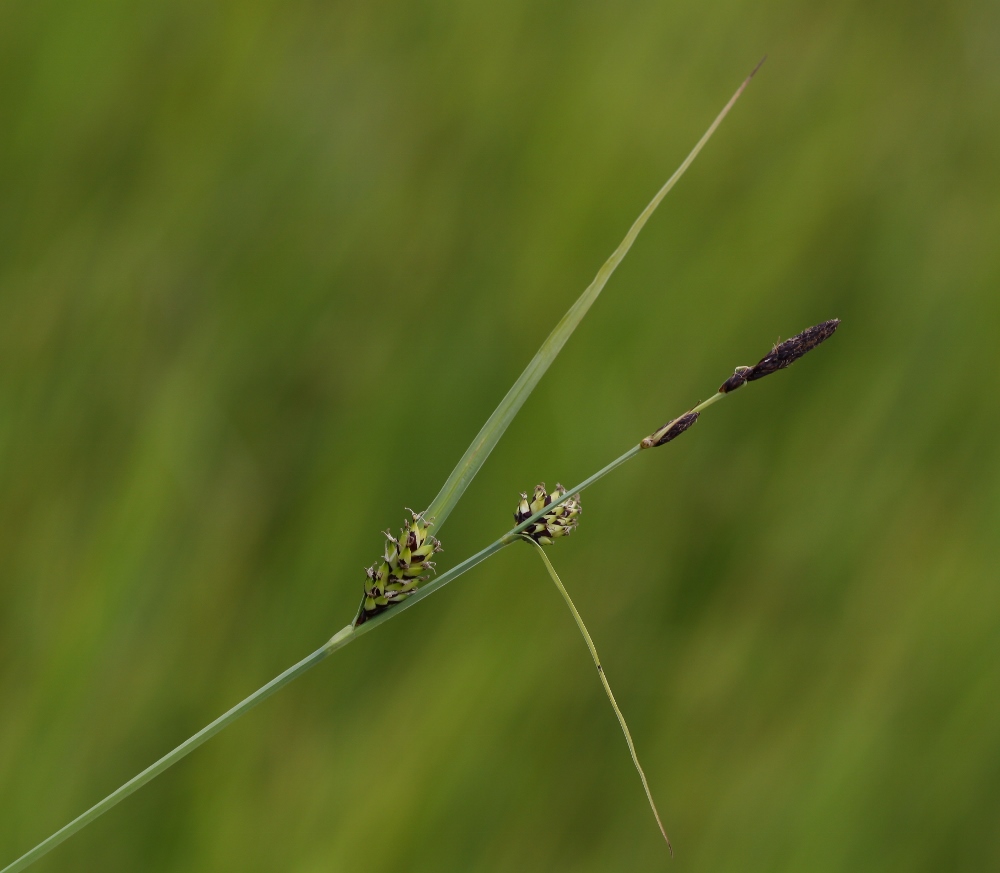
[[403, 567], [561, 522]]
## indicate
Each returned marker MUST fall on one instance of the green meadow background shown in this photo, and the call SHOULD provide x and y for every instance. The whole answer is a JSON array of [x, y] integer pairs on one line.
[[265, 269]]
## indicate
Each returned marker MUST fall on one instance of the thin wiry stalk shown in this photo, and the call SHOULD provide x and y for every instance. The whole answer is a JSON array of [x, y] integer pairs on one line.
[[184, 749], [604, 681]]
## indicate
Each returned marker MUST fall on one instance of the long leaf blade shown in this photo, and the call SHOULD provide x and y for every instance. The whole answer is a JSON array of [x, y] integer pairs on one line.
[[477, 453]]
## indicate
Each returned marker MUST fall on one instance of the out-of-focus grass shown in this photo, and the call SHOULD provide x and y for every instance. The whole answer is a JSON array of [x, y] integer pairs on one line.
[[265, 269]]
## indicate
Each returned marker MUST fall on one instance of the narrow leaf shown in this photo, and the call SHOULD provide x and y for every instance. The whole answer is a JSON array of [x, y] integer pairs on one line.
[[477, 453]]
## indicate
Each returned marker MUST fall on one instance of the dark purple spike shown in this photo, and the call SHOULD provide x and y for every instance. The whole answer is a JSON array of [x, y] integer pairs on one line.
[[788, 352]]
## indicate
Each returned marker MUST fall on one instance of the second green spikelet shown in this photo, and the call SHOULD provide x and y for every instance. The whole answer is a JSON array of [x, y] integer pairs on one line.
[[560, 522], [404, 565]]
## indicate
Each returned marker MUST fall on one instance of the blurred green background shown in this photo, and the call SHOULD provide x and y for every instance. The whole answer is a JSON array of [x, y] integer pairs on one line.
[[265, 269]]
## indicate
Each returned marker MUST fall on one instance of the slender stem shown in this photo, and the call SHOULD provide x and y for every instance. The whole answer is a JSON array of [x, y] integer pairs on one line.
[[604, 681], [185, 748], [706, 403]]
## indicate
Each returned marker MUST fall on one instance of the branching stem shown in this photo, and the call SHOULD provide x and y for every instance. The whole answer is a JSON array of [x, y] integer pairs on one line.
[[341, 638]]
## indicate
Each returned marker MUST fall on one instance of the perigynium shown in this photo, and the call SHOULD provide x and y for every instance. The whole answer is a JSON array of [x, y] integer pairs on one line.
[[401, 578], [561, 521], [405, 564]]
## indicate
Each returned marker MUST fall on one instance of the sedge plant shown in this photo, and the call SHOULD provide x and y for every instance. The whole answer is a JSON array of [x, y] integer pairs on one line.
[[400, 579]]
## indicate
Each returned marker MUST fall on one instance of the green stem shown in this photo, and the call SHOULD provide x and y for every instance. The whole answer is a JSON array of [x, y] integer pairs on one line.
[[604, 681], [706, 403], [185, 748]]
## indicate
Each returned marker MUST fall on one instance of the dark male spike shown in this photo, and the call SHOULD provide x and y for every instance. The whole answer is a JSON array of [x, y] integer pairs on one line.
[[788, 352]]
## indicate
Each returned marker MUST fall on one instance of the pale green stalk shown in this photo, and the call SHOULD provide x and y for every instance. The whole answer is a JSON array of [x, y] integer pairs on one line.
[[706, 403], [185, 748], [604, 681]]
